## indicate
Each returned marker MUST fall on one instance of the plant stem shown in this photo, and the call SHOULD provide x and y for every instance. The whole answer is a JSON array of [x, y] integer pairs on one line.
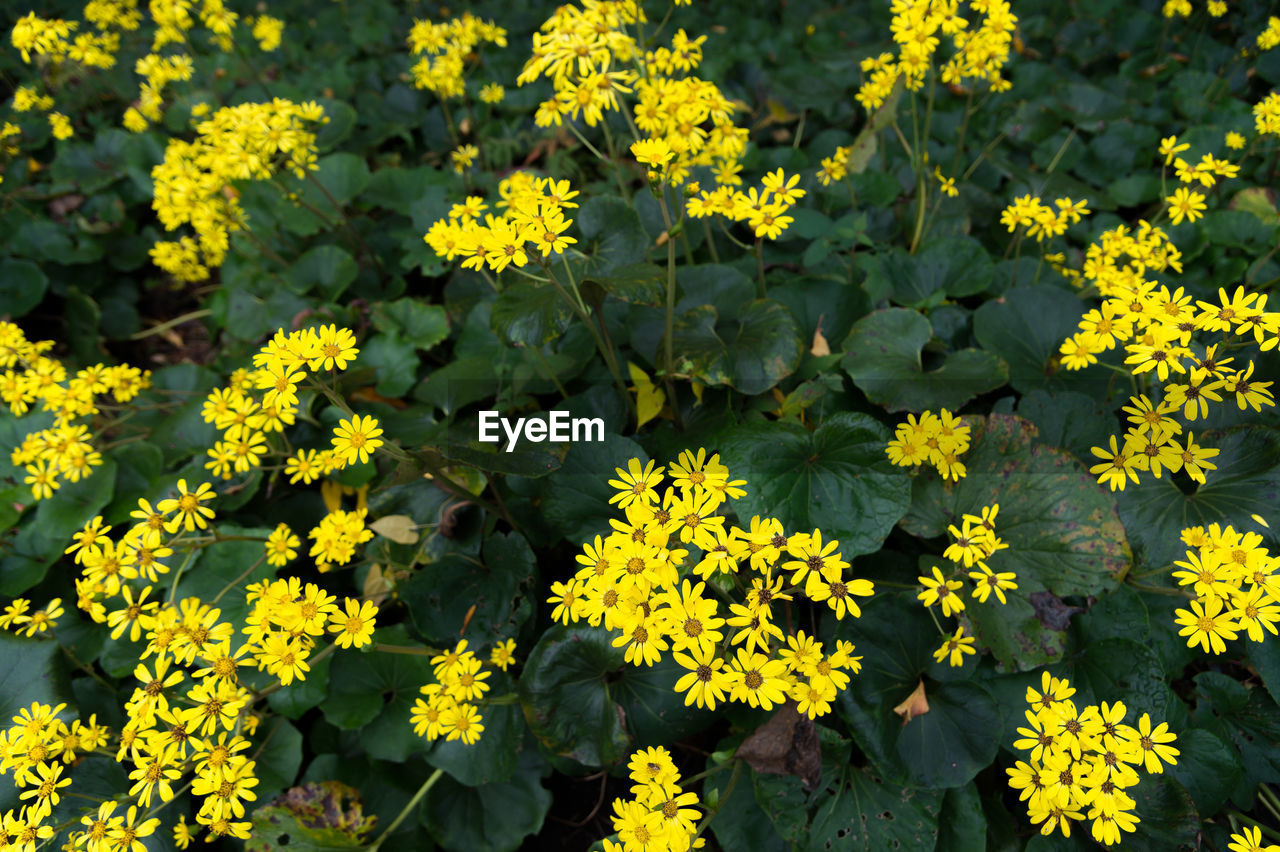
[[668, 341], [760, 265], [176, 321], [413, 803]]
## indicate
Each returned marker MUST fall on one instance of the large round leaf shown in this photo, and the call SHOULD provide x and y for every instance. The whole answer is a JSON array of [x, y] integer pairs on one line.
[[494, 817], [947, 268], [836, 479], [583, 701], [530, 314], [22, 286], [750, 353], [1246, 482], [1025, 327], [1063, 532], [883, 357], [1120, 670], [612, 234], [441, 595], [575, 498], [951, 743]]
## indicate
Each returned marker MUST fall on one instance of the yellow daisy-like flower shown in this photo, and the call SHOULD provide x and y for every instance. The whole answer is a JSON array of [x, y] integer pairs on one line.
[[355, 439], [191, 514], [354, 628], [652, 152], [954, 649]]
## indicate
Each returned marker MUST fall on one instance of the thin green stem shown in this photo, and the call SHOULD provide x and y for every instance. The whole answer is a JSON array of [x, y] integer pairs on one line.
[[229, 586], [176, 321], [711, 243], [668, 340], [724, 797], [760, 266], [408, 809], [173, 591]]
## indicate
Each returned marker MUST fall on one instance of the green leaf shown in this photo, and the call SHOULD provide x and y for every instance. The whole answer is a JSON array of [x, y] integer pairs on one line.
[[342, 175], [31, 670], [575, 498], [1025, 327], [527, 313], [740, 822], [1207, 767], [836, 479], [220, 572], [950, 744], [750, 352], [884, 360], [948, 268], [440, 595], [494, 817], [962, 825], [44, 540], [1120, 670], [395, 363], [1249, 719], [279, 759], [1236, 229], [418, 323], [896, 639], [1067, 419], [374, 692], [1169, 819], [1062, 529], [1247, 481], [494, 758], [313, 818], [612, 234], [635, 283], [326, 269], [565, 690], [870, 815], [22, 286]]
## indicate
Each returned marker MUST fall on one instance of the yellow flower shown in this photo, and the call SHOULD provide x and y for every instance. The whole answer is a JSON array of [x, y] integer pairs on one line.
[[651, 152], [354, 628], [355, 439], [954, 649], [191, 514], [1185, 204]]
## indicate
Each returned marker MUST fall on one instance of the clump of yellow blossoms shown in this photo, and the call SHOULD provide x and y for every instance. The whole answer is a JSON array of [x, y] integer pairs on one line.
[[31, 380], [449, 709], [659, 814], [918, 27], [763, 210], [446, 48], [1040, 220], [939, 439], [594, 60], [533, 224], [1236, 588], [252, 141], [1081, 760], [637, 582], [975, 542]]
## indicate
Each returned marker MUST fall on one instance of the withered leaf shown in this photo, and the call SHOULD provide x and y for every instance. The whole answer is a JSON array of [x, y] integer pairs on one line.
[[787, 744]]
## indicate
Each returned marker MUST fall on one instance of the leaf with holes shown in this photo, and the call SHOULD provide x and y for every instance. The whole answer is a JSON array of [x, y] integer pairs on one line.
[[870, 814]]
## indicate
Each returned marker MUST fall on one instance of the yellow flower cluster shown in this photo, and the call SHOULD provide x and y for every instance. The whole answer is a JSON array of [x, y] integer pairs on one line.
[[918, 26], [1237, 590], [51, 39], [1186, 203], [251, 141], [449, 710], [1159, 326], [1270, 35], [39, 747], [1266, 115], [836, 167], [15, 615], [533, 223], [659, 814], [204, 731], [586, 53], [448, 46], [246, 417], [975, 542], [1040, 220], [268, 31], [636, 582], [29, 378], [336, 538], [1081, 760], [763, 210], [159, 72], [938, 439]]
